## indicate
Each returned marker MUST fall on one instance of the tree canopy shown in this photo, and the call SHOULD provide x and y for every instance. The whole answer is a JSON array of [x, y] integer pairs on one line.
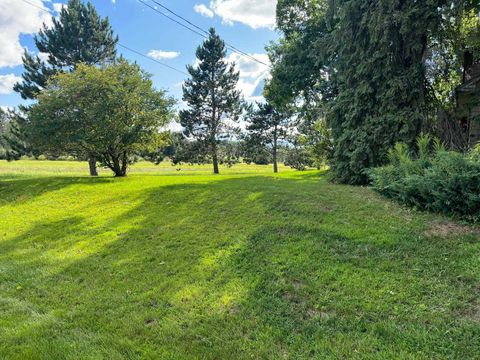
[[111, 112], [78, 35]]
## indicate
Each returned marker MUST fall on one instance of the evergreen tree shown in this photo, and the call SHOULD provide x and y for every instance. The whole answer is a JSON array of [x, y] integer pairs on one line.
[[267, 125], [212, 100], [77, 36], [364, 64], [15, 140]]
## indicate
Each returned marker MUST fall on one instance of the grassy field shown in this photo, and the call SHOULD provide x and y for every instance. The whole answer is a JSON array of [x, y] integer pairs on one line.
[[180, 264]]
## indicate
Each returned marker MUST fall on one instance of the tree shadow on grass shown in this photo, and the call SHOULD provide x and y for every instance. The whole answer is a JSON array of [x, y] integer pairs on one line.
[[23, 189], [241, 268]]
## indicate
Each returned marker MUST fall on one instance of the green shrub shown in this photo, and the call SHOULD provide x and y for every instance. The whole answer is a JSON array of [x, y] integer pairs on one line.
[[475, 153], [299, 158], [433, 179]]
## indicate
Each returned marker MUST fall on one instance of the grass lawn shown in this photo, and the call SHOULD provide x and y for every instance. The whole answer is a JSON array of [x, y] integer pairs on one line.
[[169, 264]]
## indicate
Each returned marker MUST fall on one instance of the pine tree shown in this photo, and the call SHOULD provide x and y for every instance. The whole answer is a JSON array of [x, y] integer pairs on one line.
[[78, 35], [267, 125], [212, 99], [16, 144]]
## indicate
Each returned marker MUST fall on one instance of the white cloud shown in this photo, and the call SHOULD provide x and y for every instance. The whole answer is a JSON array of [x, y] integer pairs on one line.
[[203, 10], [16, 18], [43, 56], [6, 108], [58, 6], [161, 55], [7, 82], [252, 74], [254, 13]]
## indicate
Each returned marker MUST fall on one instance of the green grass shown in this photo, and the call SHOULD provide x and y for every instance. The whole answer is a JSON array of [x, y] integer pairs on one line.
[[169, 264]]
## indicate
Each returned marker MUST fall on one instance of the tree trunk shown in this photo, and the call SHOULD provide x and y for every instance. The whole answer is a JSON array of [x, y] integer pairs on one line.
[[215, 163], [120, 170], [275, 164], [124, 163], [92, 164]]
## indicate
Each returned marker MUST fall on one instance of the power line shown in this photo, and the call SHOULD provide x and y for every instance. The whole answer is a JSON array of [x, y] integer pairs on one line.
[[230, 46], [233, 48], [155, 60], [172, 19], [38, 7], [203, 33], [121, 45]]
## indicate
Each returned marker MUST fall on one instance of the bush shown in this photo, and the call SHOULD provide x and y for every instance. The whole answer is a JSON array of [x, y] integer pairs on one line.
[[433, 179], [299, 158], [475, 153]]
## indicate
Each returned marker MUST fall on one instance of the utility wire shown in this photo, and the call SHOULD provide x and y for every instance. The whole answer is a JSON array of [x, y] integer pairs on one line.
[[233, 48], [155, 60], [199, 31], [38, 7], [121, 45]]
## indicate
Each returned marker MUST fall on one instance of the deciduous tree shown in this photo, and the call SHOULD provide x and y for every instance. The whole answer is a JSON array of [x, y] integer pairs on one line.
[[111, 112], [78, 35]]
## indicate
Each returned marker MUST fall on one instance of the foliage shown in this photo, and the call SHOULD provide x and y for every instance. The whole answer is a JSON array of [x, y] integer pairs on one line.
[[267, 125], [364, 64], [12, 137], [298, 157], [475, 153], [433, 179], [78, 35], [169, 267], [111, 112], [191, 152], [316, 138], [255, 152], [213, 101]]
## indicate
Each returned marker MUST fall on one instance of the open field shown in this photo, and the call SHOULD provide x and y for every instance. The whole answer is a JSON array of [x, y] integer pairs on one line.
[[169, 264]]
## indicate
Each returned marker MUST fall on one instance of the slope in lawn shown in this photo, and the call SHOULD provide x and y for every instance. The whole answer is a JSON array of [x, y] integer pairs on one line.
[[244, 265]]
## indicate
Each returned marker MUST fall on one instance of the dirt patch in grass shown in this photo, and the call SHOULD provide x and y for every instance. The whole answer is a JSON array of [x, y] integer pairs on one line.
[[472, 313], [447, 228]]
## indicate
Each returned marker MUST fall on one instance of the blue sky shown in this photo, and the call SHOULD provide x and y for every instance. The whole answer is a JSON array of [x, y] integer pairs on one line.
[[246, 24]]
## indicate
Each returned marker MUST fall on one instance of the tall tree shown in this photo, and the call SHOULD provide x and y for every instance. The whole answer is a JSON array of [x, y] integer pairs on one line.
[[212, 100], [78, 35], [267, 126], [364, 64], [112, 112]]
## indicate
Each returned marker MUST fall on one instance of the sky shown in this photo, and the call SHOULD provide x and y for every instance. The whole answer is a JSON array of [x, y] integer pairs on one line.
[[246, 24]]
